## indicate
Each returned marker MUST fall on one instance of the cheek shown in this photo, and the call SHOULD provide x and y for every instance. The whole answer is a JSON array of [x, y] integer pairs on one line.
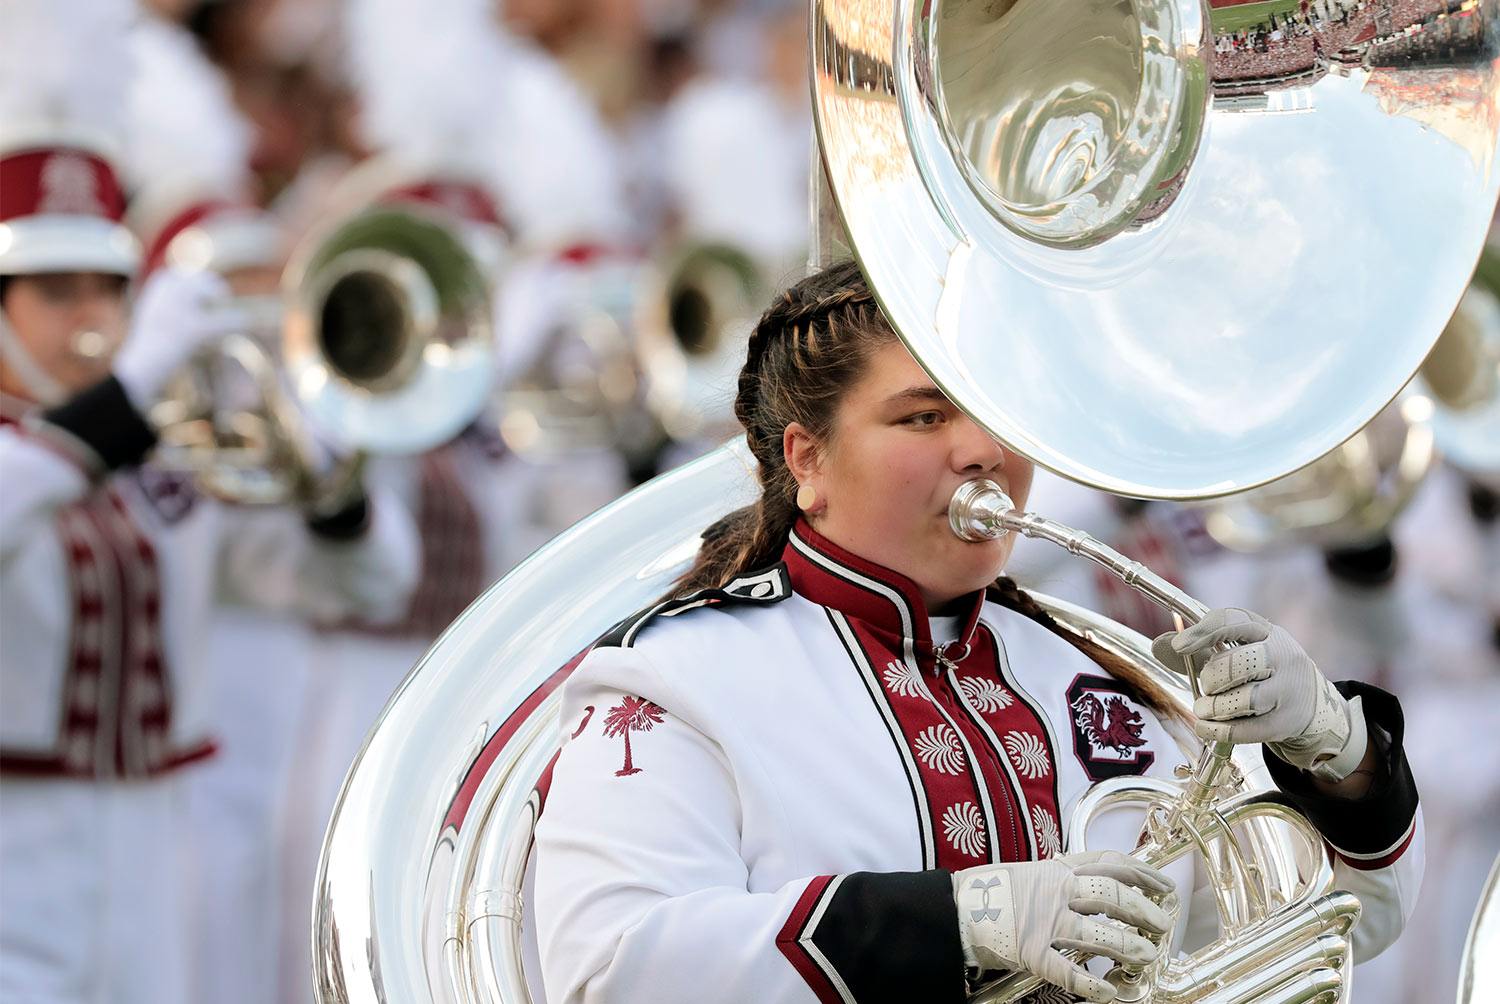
[[1020, 473], [42, 329], [900, 479]]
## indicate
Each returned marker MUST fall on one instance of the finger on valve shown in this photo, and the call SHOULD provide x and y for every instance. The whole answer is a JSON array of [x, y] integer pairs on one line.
[[1123, 868], [1221, 626], [1109, 940], [1097, 894], [1227, 670]]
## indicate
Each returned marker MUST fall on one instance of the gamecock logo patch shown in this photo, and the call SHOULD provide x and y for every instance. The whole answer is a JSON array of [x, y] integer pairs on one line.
[[1108, 728]]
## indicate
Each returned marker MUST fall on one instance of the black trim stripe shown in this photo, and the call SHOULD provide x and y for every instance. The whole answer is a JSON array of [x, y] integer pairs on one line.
[[861, 662]]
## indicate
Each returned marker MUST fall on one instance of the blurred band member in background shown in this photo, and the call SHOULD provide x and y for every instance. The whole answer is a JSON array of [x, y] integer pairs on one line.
[[108, 565]]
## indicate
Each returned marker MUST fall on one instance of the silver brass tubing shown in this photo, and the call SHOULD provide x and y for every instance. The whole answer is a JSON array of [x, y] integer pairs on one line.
[[1289, 934], [980, 510], [1321, 986]]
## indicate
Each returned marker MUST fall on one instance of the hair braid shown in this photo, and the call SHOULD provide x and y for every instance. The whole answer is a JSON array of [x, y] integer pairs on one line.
[[807, 349]]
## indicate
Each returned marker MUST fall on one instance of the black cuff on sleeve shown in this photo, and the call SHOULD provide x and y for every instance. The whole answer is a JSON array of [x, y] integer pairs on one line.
[[349, 523], [1377, 823], [893, 936], [103, 418]]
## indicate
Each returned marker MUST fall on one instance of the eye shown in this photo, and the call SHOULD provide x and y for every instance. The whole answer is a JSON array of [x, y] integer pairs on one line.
[[923, 419]]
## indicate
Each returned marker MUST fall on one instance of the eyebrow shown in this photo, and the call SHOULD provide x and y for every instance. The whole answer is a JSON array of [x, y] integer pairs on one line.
[[918, 395]]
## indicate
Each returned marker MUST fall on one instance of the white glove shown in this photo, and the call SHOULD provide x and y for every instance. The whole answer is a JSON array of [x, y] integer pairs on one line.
[[1267, 690], [1021, 916], [172, 318]]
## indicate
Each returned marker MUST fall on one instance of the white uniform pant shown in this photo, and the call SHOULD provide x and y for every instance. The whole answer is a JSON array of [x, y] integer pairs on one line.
[[92, 898], [259, 683]]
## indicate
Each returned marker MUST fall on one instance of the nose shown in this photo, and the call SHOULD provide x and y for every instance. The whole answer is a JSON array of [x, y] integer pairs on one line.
[[975, 451]]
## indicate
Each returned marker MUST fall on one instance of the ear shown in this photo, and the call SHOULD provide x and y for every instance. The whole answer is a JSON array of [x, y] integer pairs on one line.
[[801, 452]]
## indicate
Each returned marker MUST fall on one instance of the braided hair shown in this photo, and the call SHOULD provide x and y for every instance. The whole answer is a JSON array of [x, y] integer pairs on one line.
[[807, 350]]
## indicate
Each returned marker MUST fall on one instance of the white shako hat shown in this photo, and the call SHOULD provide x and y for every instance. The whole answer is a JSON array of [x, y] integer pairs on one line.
[[187, 166], [63, 74]]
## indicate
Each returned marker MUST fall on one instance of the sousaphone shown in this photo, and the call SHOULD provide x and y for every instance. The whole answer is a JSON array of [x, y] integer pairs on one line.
[[1149, 269]]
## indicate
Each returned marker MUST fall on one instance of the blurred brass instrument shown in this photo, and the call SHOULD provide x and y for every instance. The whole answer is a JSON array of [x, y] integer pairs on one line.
[[579, 389], [1350, 496], [1479, 969], [694, 318], [1142, 256], [1347, 498], [1461, 379], [386, 347], [642, 349]]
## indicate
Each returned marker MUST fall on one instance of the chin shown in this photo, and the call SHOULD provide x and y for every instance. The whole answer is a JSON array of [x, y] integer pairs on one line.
[[977, 565]]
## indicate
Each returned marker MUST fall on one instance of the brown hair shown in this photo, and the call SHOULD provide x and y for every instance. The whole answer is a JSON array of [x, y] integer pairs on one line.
[[807, 350]]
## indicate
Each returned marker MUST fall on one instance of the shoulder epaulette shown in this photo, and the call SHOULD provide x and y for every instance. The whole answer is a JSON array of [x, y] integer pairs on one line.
[[770, 585]]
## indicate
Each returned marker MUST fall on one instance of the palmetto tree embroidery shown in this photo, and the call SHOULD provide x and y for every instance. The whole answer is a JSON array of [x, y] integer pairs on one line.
[[986, 696], [1028, 754], [964, 827], [939, 748], [1048, 837], [632, 714], [903, 680]]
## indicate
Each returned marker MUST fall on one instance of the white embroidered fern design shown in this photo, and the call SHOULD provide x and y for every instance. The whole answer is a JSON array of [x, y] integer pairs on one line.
[[964, 828], [902, 680], [986, 695], [1048, 838], [939, 748], [1028, 754]]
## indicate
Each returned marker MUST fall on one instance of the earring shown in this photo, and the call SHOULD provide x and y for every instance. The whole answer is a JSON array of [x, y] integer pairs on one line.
[[807, 497]]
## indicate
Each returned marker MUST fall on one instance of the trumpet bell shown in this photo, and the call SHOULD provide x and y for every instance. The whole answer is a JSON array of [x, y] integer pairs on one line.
[[1064, 218], [388, 343]]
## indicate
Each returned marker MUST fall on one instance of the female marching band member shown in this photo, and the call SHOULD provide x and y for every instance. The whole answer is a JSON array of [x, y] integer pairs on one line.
[[835, 764]]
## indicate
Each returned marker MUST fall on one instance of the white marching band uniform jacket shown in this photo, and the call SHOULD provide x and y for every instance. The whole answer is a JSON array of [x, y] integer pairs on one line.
[[763, 790], [109, 576]]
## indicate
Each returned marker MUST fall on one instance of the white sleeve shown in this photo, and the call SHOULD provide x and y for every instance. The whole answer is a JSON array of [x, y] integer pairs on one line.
[[51, 457], [272, 559], [1387, 886], [37, 477], [1377, 840], [642, 893]]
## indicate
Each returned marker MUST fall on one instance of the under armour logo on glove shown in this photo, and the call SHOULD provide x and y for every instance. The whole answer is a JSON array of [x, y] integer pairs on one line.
[[985, 911]]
